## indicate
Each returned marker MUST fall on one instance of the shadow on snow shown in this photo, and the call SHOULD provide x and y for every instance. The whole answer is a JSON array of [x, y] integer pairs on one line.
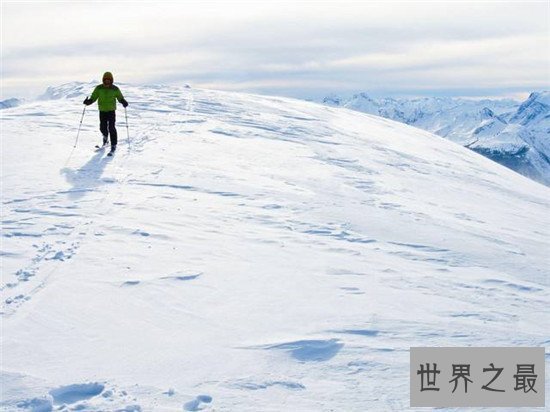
[[87, 177]]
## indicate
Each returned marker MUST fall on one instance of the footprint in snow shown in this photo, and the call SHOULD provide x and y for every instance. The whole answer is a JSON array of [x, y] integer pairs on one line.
[[310, 350], [195, 404], [36, 404], [77, 392], [17, 298]]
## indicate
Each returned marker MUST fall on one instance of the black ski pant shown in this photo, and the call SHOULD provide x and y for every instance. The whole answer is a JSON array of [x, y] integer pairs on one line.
[[107, 125]]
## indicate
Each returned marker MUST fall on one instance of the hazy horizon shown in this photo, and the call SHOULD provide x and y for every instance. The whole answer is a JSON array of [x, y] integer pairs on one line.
[[518, 96]]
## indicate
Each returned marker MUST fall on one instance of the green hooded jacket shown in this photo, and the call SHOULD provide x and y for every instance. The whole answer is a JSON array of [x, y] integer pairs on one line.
[[106, 97]]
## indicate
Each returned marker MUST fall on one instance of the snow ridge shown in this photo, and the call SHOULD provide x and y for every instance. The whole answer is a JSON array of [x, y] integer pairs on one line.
[[514, 135]]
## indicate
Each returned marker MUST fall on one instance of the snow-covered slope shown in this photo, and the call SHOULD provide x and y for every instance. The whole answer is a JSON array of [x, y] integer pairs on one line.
[[249, 253], [512, 134]]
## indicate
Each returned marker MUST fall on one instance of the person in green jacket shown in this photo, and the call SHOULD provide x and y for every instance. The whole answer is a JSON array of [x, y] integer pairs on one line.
[[106, 95]]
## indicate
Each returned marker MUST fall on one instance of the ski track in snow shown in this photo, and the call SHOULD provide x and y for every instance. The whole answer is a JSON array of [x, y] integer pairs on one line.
[[252, 253], [84, 179]]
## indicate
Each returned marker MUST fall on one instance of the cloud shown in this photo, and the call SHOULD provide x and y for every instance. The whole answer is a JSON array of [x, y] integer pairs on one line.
[[518, 50], [279, 47]]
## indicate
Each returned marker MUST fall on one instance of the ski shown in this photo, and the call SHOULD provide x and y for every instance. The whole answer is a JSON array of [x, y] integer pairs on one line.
[[98, 147]]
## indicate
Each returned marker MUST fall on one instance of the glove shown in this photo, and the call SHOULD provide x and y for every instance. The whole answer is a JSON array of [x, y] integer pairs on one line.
[[124, 102], [87, 101]]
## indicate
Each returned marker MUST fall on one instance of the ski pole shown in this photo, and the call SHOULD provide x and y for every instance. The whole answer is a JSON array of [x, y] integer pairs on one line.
[[79, 126], [127, 130]]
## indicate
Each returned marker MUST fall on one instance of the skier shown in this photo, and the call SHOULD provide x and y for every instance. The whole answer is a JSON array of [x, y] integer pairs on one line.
[[106, 95]]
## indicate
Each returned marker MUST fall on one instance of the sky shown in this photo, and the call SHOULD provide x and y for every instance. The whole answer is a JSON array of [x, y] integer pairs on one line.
[[305, 49]]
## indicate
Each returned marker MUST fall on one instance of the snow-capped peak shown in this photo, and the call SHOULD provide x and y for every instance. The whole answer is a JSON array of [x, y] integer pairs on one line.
[[487, 113], [512, 134], [8, 103], [535, 108]]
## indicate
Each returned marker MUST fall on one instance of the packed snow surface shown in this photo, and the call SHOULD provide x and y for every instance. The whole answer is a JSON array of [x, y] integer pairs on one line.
[[251, 253]]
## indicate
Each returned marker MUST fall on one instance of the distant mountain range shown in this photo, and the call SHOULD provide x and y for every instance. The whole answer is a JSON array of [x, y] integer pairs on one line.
[[514, 134], [13, 102]]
